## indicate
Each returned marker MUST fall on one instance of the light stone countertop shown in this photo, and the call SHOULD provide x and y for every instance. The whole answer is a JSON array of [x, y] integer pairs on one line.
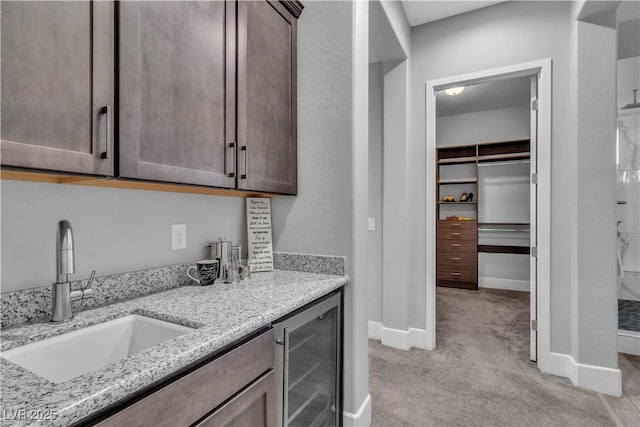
[[222, 314]]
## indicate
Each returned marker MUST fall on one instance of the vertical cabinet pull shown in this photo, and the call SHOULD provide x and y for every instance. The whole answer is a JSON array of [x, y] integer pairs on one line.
[[244, 161], [106, 110], [231, 153]]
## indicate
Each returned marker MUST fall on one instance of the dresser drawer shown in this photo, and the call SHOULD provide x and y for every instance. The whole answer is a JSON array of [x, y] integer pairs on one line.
[[456, 246], [457, 258], [447, 225], [457, 274], [447, 232]]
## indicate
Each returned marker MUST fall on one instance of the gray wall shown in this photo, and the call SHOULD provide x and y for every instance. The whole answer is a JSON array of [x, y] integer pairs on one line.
[[500, 35], [376, 85], [483, 126], [321, 218], [115, 230]]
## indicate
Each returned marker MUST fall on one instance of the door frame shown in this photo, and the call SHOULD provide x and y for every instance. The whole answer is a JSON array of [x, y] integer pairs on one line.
[[541, 68]]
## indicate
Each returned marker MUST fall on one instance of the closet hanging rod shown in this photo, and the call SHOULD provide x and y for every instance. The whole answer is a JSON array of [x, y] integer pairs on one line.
[[502, 162], [504, 229]]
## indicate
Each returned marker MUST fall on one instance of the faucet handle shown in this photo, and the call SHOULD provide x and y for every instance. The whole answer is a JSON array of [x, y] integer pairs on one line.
[[90, 281]]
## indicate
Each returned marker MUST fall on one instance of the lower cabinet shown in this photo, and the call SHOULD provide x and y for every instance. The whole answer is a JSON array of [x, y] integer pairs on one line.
[[255, 406], [235, 389]]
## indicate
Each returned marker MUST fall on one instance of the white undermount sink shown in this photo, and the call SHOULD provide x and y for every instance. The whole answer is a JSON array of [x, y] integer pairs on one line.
[[70, 355]]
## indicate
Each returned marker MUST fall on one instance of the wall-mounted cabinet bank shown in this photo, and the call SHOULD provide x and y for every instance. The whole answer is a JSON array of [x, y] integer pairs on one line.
[[199, 93]]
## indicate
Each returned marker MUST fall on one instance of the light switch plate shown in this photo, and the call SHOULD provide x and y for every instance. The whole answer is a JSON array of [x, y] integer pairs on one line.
[[178, 236], [371, 224]]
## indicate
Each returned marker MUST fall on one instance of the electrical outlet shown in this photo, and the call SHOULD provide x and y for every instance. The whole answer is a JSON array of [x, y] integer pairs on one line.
[[178, 236]]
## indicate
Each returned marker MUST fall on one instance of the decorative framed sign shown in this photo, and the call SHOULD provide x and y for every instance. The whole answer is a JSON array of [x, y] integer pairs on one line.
[[260, 252]]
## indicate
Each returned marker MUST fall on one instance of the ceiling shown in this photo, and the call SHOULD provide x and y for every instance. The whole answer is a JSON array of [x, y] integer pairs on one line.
[[422, 11], [485, 96]]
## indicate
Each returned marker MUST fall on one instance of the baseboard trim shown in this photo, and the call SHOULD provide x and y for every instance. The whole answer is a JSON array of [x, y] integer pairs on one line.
[[629, 342], [506, 284], [404, 340], [375, 330], [362, 418], [596, 378]]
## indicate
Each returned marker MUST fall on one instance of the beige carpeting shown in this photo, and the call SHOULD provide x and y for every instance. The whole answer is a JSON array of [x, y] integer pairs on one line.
[[478, 375]]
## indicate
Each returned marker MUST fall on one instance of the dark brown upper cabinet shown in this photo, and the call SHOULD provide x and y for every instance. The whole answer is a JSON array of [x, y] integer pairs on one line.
[[58, 86], [267, 113], [206, 91], [177, 92]]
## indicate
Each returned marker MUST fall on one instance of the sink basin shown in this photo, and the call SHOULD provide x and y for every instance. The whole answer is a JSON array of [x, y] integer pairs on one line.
[[70, 355]]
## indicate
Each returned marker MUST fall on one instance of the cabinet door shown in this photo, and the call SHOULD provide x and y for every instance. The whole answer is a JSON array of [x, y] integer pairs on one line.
[[177, 94], [267, 158], [254, 406], [57, 81]]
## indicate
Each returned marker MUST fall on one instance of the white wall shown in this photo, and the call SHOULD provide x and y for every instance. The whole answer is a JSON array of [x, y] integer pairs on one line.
[[500, 35], [115, 230], [483, 126], [594, 93], [375, 190]]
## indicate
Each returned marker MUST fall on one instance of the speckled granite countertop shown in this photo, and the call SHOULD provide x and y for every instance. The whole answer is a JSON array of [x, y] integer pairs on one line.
[[222, 314]]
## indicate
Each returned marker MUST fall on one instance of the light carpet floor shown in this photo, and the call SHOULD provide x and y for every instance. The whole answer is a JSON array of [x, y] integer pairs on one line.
[[478, 375]]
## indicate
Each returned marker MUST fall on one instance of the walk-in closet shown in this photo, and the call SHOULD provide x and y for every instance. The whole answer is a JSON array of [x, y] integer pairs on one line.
[[485, 156]]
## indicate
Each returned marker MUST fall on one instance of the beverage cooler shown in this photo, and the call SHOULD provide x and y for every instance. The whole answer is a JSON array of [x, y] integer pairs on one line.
[[309, 365]]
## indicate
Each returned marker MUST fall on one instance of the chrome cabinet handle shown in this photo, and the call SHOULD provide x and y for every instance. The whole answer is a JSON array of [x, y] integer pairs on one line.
[[243, 149], [455, 234], [230, 170], [107, 111], [453, 258], [456, 274]]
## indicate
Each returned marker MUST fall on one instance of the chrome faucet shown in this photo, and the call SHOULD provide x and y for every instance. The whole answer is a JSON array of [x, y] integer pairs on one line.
[[65, 265]]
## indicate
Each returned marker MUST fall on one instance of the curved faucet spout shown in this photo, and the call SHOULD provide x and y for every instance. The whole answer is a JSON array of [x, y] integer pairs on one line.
[[65, 256]]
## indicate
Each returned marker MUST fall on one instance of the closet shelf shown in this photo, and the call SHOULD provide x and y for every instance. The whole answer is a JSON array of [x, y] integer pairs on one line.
[[502, 223], [507, 156], [458, 181], [440, 202], [455, 160]]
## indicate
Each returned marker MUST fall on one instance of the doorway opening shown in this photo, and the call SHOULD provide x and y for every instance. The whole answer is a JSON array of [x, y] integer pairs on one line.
[[489, 159]]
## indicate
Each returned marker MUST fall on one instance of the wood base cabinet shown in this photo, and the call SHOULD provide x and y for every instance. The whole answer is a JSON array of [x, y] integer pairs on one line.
[[243, 378]]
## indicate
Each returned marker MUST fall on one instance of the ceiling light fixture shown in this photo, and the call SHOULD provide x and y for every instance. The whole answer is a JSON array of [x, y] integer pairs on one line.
[[453, 91]]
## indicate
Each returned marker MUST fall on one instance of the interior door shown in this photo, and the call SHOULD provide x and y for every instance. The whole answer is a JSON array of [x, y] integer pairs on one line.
[[533, 218]]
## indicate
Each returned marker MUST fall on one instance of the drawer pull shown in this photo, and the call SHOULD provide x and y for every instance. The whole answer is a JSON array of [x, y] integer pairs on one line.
[[456, 274], [456, 225], [453, 258], [455, 245], [455, 234]]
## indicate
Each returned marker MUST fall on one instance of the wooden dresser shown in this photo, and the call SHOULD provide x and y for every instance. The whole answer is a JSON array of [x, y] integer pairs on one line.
[[457, 254]]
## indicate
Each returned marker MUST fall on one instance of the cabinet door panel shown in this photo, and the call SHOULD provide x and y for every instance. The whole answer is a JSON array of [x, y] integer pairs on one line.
[[174, 92], [266, 98], [57, 74], [255, 406]]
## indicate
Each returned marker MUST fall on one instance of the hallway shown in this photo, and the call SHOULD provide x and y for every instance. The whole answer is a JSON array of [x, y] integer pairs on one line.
[[479, 374]]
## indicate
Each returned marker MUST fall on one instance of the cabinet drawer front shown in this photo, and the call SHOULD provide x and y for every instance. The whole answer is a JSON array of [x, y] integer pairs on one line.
[[255, 407], [454, 236], [186, 400], [447, 225], [467, 274], [457, 259], [451, 247]]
